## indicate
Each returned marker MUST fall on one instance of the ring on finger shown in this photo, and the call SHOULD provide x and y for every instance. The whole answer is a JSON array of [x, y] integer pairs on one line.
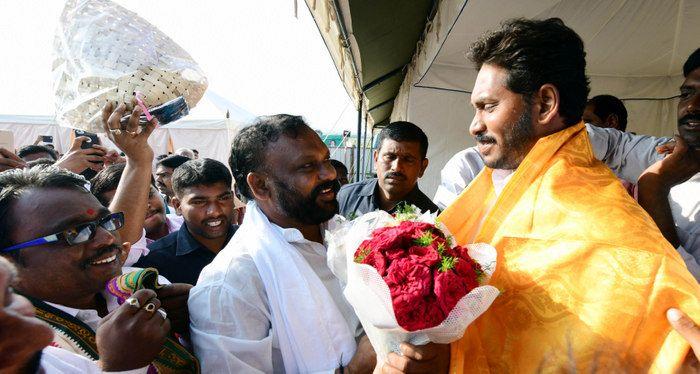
[[134, 133], [133, 302], [163, 313], [150, 307], [115, 131]]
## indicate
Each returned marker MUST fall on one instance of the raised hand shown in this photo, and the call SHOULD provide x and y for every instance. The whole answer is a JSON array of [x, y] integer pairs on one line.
[[78, 159], [9, 160], [131, 139], [682, 163], [132, 193]]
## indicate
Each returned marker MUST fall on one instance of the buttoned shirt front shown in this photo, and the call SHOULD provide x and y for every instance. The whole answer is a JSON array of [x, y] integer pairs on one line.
[[361, 197], [179, 256]]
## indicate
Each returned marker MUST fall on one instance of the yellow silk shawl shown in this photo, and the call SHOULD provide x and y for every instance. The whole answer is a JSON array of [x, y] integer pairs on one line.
[[586, 276]]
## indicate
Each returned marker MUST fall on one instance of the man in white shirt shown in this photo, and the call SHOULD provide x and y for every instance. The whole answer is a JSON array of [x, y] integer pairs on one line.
[[677, 176], [269, 302]]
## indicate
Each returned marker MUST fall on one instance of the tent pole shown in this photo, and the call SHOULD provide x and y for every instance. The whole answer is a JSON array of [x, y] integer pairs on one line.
[[364, 149], [359, 138]]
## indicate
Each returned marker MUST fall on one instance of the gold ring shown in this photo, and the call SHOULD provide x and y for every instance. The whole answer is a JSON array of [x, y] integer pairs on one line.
[[133, 302], [163, 313], [150, 307], [115, 131]]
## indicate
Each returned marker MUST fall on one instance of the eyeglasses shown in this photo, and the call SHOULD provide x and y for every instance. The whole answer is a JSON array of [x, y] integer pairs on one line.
[[77, 234]]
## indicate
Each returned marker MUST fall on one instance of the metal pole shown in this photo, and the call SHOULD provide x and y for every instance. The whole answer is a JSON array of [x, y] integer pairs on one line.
[[359, 137], [371, 149], [364, 150]]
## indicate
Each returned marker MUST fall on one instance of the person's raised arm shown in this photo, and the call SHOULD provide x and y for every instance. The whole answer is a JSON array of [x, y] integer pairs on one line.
[[626, 154], [78, 159], [9, 160], [131, 196], [656, 182]]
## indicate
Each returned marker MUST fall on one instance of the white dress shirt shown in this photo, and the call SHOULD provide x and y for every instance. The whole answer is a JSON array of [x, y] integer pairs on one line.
[[627, 155], [90, 317], [59, 361], [230, 313]]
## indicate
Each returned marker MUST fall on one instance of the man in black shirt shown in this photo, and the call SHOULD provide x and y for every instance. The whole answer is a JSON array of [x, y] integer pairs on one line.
[[203, 196], [399, 161]]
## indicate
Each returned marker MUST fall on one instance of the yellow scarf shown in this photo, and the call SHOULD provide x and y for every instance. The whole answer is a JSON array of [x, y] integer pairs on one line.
[[586, 276]]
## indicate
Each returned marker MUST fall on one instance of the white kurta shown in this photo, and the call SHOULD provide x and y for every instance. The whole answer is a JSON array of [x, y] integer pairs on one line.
[[230, 313], [59, 361]]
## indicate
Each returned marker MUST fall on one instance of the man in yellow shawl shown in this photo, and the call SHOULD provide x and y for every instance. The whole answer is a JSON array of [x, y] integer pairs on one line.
[[586, 276]]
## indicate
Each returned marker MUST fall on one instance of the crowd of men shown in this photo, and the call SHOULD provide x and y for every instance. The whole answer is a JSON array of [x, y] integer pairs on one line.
[[247, 288]]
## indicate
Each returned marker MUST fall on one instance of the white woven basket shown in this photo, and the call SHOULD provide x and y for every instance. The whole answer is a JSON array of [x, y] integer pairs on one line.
[[104, 52]]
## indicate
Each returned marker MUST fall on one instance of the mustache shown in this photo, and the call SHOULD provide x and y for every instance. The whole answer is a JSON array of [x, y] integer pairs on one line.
[[394, 175], [110, 248], [485, 139], [688, 118], [334, 185]]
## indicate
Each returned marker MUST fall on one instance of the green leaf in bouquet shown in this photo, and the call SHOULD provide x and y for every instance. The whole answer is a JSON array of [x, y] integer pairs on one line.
[[447, 263], [364, 252], [425, 239], [406, 212], [441, 249]]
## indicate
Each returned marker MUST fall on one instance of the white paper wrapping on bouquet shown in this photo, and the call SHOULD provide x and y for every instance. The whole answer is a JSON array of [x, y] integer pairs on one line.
[[369, 294], [104, 52]]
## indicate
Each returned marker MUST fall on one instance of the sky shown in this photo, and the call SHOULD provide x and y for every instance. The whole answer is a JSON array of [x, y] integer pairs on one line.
[[255, 54]]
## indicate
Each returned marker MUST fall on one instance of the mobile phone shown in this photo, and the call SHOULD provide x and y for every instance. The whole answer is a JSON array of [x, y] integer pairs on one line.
[[7, 140], [47, 138], [88, 173], [94, 139]]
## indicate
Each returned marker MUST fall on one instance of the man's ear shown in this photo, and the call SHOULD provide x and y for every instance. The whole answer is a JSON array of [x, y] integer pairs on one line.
[[259, 186], [375, 155], [424, 165], [612, 121], [546, 105], [176, 204]]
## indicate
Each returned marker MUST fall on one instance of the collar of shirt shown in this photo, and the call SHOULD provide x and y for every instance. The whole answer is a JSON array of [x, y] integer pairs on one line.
[[173, 221], [294, 236], [187, 244], [500, 178], [89, 317], [372, 189]]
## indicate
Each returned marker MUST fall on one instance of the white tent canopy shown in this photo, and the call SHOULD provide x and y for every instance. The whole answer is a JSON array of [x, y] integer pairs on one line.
[[635, 51], [212, 137]]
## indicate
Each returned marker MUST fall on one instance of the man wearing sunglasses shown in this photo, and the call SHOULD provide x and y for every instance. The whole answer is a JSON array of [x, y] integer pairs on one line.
[[67, 246]]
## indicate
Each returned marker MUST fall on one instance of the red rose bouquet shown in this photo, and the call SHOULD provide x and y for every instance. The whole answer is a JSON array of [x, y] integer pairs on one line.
[[407, 280]]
